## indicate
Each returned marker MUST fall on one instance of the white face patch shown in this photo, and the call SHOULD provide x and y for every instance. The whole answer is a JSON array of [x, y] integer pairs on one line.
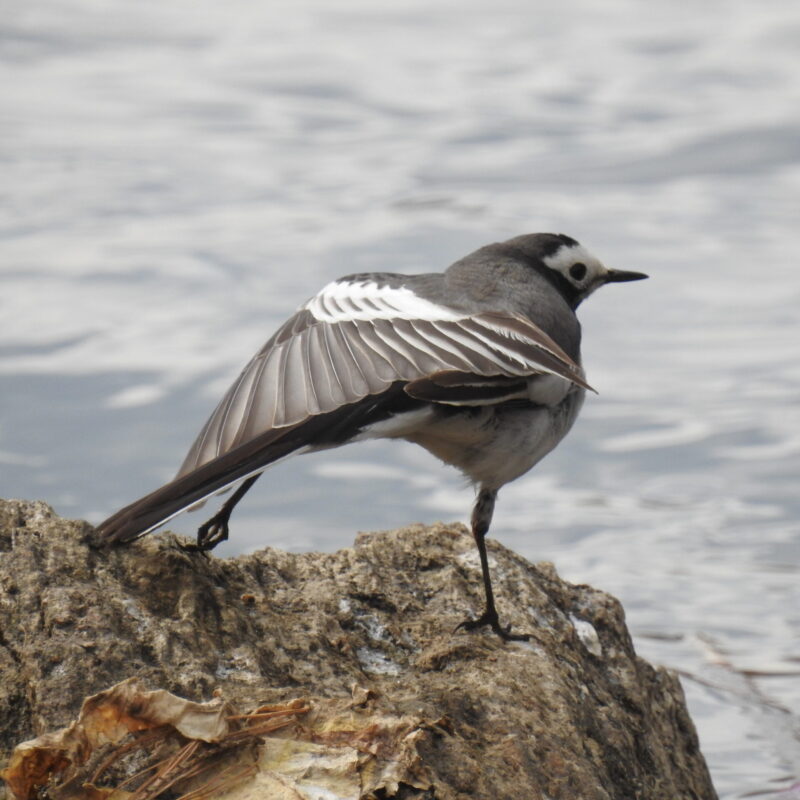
[[343, 301], [567, 256]]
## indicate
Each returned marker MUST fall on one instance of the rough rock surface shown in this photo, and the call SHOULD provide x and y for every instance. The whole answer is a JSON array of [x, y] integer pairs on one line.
[[571, 714]]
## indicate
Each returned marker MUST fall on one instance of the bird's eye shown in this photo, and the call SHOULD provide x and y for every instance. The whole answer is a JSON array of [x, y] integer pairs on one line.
[[577, 271]]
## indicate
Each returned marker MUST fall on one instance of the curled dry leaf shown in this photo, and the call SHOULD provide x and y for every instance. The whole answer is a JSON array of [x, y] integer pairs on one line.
[[110, 716]]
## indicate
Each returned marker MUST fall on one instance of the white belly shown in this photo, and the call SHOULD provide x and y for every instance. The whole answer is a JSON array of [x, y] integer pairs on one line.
[[491, 445]]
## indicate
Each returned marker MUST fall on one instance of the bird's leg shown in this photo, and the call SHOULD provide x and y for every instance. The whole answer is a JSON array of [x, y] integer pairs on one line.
[[211, 533], [481, 519]]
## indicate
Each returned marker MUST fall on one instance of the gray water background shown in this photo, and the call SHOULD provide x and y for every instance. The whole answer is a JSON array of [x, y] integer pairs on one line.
[[176, 177]]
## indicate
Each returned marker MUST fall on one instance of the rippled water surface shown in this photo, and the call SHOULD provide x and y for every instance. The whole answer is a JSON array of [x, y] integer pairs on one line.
[[177, 177]]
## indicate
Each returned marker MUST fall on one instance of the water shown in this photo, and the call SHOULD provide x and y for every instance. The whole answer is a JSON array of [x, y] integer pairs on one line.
[[177, 177]]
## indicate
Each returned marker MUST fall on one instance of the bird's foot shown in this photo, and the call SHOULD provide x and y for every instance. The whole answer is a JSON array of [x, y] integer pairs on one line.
[[490, 618], [209, 535]]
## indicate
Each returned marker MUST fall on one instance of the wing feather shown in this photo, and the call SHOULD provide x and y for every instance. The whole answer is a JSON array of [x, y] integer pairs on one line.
[[321, 371], [338, 395], [487, 362], [515, 351], [353, 380], [309, 364], [423, 357], [437, 345], [296, 374], [267, 405], [364, 359], [384, 359], [402, 359]]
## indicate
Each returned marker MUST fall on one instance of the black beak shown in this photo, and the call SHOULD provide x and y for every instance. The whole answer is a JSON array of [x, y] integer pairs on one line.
[[621, 275]]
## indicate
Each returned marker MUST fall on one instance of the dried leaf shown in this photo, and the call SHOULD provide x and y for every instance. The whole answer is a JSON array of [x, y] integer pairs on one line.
[[106, 718]]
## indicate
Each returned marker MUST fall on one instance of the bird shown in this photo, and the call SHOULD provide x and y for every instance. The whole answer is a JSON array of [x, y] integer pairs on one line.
[[479, 364]]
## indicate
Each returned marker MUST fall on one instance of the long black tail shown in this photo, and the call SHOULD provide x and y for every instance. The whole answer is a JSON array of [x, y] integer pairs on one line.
[[156, 508], [317, 432]]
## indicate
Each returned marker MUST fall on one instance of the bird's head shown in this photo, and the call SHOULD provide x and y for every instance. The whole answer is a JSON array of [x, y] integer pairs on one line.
[[574, 271]]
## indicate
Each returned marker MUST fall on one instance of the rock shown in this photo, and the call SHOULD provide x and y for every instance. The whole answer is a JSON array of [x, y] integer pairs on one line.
[[366, 632]]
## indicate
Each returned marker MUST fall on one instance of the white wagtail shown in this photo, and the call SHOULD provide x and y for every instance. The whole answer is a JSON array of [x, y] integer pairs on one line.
[[480, 365]]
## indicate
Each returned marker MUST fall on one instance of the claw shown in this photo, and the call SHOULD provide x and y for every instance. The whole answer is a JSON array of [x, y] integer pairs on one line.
[[490, 619], [209, 535]]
